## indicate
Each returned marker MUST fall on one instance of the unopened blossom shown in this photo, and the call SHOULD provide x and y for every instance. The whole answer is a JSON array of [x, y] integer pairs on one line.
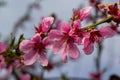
[[2, 63], [93, 2], [45, 25], [81, 14], [34, 49], [115, 12], [113, 9], [97, 36], [3, 47], [64, 41], [96, 76]]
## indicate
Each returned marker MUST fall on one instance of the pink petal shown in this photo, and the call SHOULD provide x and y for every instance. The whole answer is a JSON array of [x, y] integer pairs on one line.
[[57, 24], [58, 46], [47, 43], [66, 27], [73, 51], [85, 33], [2, 63], [30, 58], [36, 38], [77, 24], [47, 23], [55, 34], [25, 77], [10, 69], [88, 46], [107, 32], [38, 29], [84, 12], [26, 46], [48, 19], [43, 59], [3, 47], [77, 39]]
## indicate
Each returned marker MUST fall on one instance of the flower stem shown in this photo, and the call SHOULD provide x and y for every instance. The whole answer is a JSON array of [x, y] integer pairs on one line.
[[108, 19]]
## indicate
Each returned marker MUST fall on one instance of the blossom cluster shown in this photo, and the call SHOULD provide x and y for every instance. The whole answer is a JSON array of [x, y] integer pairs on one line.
[[64, 38]]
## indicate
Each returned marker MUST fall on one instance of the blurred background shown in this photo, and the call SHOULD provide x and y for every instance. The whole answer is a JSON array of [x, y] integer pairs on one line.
[[20, 17]]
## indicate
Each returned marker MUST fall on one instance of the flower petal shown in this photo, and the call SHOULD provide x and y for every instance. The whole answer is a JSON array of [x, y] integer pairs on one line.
[[73, 51], [66, 27], [2, 63], [3, 47], [77, 24], [46, 23], [26, 46], [107, 32], [43, 59], [36, 38], [77, 39], [58, 46], [30, 58], [10, 69], [55, 34], [25, 77], [47, 43], [84, 12], [88, 46]]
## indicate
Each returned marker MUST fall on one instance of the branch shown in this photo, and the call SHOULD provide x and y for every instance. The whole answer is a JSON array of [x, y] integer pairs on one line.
[[108, 19]]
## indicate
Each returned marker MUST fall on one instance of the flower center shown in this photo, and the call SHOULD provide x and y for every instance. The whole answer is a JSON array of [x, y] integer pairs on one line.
[[95, 36], [68, 38], [39, 47]]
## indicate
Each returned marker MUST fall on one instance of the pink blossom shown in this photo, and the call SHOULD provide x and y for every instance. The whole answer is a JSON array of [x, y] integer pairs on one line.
[[45, 25], [97, 36], [93, 2], [2, 63], [34, 49], [25, 77], [64, 41], [3, 47]]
